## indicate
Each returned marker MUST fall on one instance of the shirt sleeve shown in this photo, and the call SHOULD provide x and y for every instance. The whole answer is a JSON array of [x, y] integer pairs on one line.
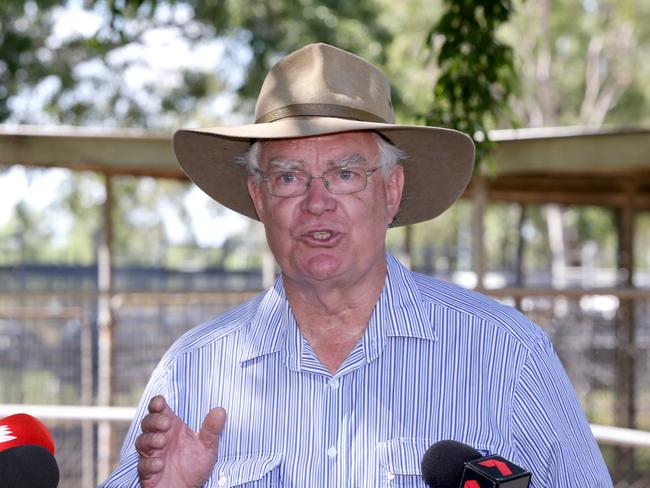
[[126, 473], [551, 434]]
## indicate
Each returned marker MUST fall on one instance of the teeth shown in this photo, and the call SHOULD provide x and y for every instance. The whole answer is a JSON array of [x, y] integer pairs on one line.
[[321, 235]]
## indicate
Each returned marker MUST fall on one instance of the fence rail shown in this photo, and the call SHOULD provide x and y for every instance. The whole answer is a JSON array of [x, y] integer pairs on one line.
[[604, 434]]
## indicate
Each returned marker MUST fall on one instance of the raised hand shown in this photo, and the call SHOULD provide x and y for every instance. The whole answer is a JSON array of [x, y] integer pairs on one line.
[[171, 454]]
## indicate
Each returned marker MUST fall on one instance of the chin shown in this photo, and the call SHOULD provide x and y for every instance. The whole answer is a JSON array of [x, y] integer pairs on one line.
[[320, 268]]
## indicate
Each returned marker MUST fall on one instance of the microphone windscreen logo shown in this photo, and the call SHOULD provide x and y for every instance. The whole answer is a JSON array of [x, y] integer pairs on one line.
[[494, 471], [22, 429], [5, 434], [500, 466]]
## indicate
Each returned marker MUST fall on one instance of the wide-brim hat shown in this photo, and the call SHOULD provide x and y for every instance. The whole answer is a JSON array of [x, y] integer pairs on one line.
[[320, 89]]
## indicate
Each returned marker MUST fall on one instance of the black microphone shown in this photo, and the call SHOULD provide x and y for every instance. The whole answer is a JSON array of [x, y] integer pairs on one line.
[[452, 464], [28, 466]]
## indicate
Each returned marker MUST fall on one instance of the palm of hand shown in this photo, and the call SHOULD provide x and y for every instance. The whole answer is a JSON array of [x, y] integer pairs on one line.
[[182, 458], [188, 461]]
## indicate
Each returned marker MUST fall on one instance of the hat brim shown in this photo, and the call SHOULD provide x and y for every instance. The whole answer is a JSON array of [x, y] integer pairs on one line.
[[438, 168]]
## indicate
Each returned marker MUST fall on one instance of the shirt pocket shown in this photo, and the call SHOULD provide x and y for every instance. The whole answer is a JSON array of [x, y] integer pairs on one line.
[[247, 471], [400, 461]]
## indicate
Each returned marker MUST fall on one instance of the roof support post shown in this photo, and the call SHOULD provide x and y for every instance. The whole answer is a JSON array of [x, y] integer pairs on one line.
[[625, 354], [479, 203], [105, 332]]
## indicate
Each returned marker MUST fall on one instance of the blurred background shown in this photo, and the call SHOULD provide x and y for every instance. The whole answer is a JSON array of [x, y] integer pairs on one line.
[[107, 253]]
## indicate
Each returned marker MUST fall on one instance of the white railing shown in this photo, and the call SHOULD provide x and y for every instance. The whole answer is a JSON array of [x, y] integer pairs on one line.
[[71, 412], [604, 434]]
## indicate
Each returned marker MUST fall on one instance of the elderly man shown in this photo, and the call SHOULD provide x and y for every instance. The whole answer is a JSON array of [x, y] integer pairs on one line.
[[350, 366]]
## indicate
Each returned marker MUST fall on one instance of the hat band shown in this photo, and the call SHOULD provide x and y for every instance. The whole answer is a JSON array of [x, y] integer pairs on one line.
[[318, 110]]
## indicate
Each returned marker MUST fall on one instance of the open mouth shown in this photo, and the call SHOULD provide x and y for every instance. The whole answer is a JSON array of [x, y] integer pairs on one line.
[[321, 235]]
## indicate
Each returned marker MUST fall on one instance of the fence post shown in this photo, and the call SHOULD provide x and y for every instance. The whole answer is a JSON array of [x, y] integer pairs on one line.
[[105, 334], [625, 358]]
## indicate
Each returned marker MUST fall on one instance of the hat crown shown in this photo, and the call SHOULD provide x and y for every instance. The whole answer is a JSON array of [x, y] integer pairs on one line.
[[322, 80]]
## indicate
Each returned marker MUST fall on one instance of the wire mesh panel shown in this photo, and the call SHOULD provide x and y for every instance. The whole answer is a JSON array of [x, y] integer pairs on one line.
[[48, 356], [584, 332], [145, 327]]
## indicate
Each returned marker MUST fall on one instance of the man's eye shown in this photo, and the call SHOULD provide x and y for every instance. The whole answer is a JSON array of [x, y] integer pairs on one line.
[[347, 174], [286, 178]]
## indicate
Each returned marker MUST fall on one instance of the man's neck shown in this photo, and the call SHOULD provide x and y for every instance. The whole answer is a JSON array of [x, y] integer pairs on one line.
[[333, 318]]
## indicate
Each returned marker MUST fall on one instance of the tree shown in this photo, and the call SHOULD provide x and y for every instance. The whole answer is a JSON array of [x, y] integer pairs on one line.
[[582, 62], [477, 69], [95, 75]]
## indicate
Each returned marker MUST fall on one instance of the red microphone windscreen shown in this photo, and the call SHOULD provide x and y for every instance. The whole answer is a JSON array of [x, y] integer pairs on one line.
[[23, 429]]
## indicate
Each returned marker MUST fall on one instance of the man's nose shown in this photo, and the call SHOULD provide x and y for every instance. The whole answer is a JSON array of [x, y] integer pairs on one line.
[[322, 179], [318, 198]]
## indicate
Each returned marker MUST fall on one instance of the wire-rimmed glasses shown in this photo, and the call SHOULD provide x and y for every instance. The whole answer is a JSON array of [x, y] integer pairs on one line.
[[295, 182]]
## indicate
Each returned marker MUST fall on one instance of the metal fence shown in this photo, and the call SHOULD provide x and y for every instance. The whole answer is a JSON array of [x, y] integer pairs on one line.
[[48, 357]]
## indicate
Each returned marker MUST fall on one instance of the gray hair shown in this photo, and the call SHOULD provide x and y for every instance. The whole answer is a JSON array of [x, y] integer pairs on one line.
[[389, 156]]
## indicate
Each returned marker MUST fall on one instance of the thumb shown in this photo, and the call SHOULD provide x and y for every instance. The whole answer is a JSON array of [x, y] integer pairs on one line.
[[212, 427]]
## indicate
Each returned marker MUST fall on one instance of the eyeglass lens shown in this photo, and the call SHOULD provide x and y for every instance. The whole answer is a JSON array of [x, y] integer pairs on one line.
[[336, 180]]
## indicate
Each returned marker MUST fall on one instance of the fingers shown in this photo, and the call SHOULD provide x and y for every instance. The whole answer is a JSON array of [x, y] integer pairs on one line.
[[156, 422], [157, 404], [151, 444], [155, 425], [159, 418], [212, 427], [148, 467], [148, 444], [150, 447]]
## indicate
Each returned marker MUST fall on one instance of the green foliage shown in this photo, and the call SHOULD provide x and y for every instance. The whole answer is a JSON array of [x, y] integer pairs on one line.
[[139, 233], [581, 62], [477, 69], [255, 33], [22, 235], [23, 29], [465, 58], [273, 28]]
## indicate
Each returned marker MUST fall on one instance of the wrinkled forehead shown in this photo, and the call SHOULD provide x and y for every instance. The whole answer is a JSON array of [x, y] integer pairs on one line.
[[320, 151]]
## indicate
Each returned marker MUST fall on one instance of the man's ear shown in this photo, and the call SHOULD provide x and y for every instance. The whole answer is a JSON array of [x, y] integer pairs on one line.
[[394, 188], [255, 192]]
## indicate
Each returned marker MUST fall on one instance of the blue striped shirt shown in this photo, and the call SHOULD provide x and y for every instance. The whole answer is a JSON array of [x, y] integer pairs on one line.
[[436, 362]]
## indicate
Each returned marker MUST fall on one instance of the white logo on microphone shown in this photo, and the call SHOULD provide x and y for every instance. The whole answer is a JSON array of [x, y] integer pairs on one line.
[[5, 434]]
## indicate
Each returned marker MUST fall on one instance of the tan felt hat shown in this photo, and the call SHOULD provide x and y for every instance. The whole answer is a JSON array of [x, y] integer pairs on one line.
[[320, 89]]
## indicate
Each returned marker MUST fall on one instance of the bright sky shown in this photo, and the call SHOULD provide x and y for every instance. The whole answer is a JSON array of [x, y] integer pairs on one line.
[[161, 53], [35, 188]]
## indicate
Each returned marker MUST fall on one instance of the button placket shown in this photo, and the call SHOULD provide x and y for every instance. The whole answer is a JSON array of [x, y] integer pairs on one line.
[[332, 455], [223, 480]]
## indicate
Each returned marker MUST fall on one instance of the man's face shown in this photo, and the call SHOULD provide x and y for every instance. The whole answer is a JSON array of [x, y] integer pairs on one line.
[[319, 236]]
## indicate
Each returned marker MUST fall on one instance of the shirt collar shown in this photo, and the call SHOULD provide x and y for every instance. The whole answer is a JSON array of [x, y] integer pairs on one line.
[[267, 331], [399, 312]]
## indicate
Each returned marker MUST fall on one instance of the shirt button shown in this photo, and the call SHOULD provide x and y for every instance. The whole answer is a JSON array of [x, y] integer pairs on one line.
[[223, 481], [390, 476], [334, 384], [331, 452]]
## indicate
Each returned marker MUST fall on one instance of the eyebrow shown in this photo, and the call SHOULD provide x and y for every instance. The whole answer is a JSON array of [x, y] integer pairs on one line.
[[293, 165], [285, 164], [351, 159]]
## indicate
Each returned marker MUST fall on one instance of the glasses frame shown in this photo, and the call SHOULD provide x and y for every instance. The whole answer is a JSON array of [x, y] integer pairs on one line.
[[265, 179]]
